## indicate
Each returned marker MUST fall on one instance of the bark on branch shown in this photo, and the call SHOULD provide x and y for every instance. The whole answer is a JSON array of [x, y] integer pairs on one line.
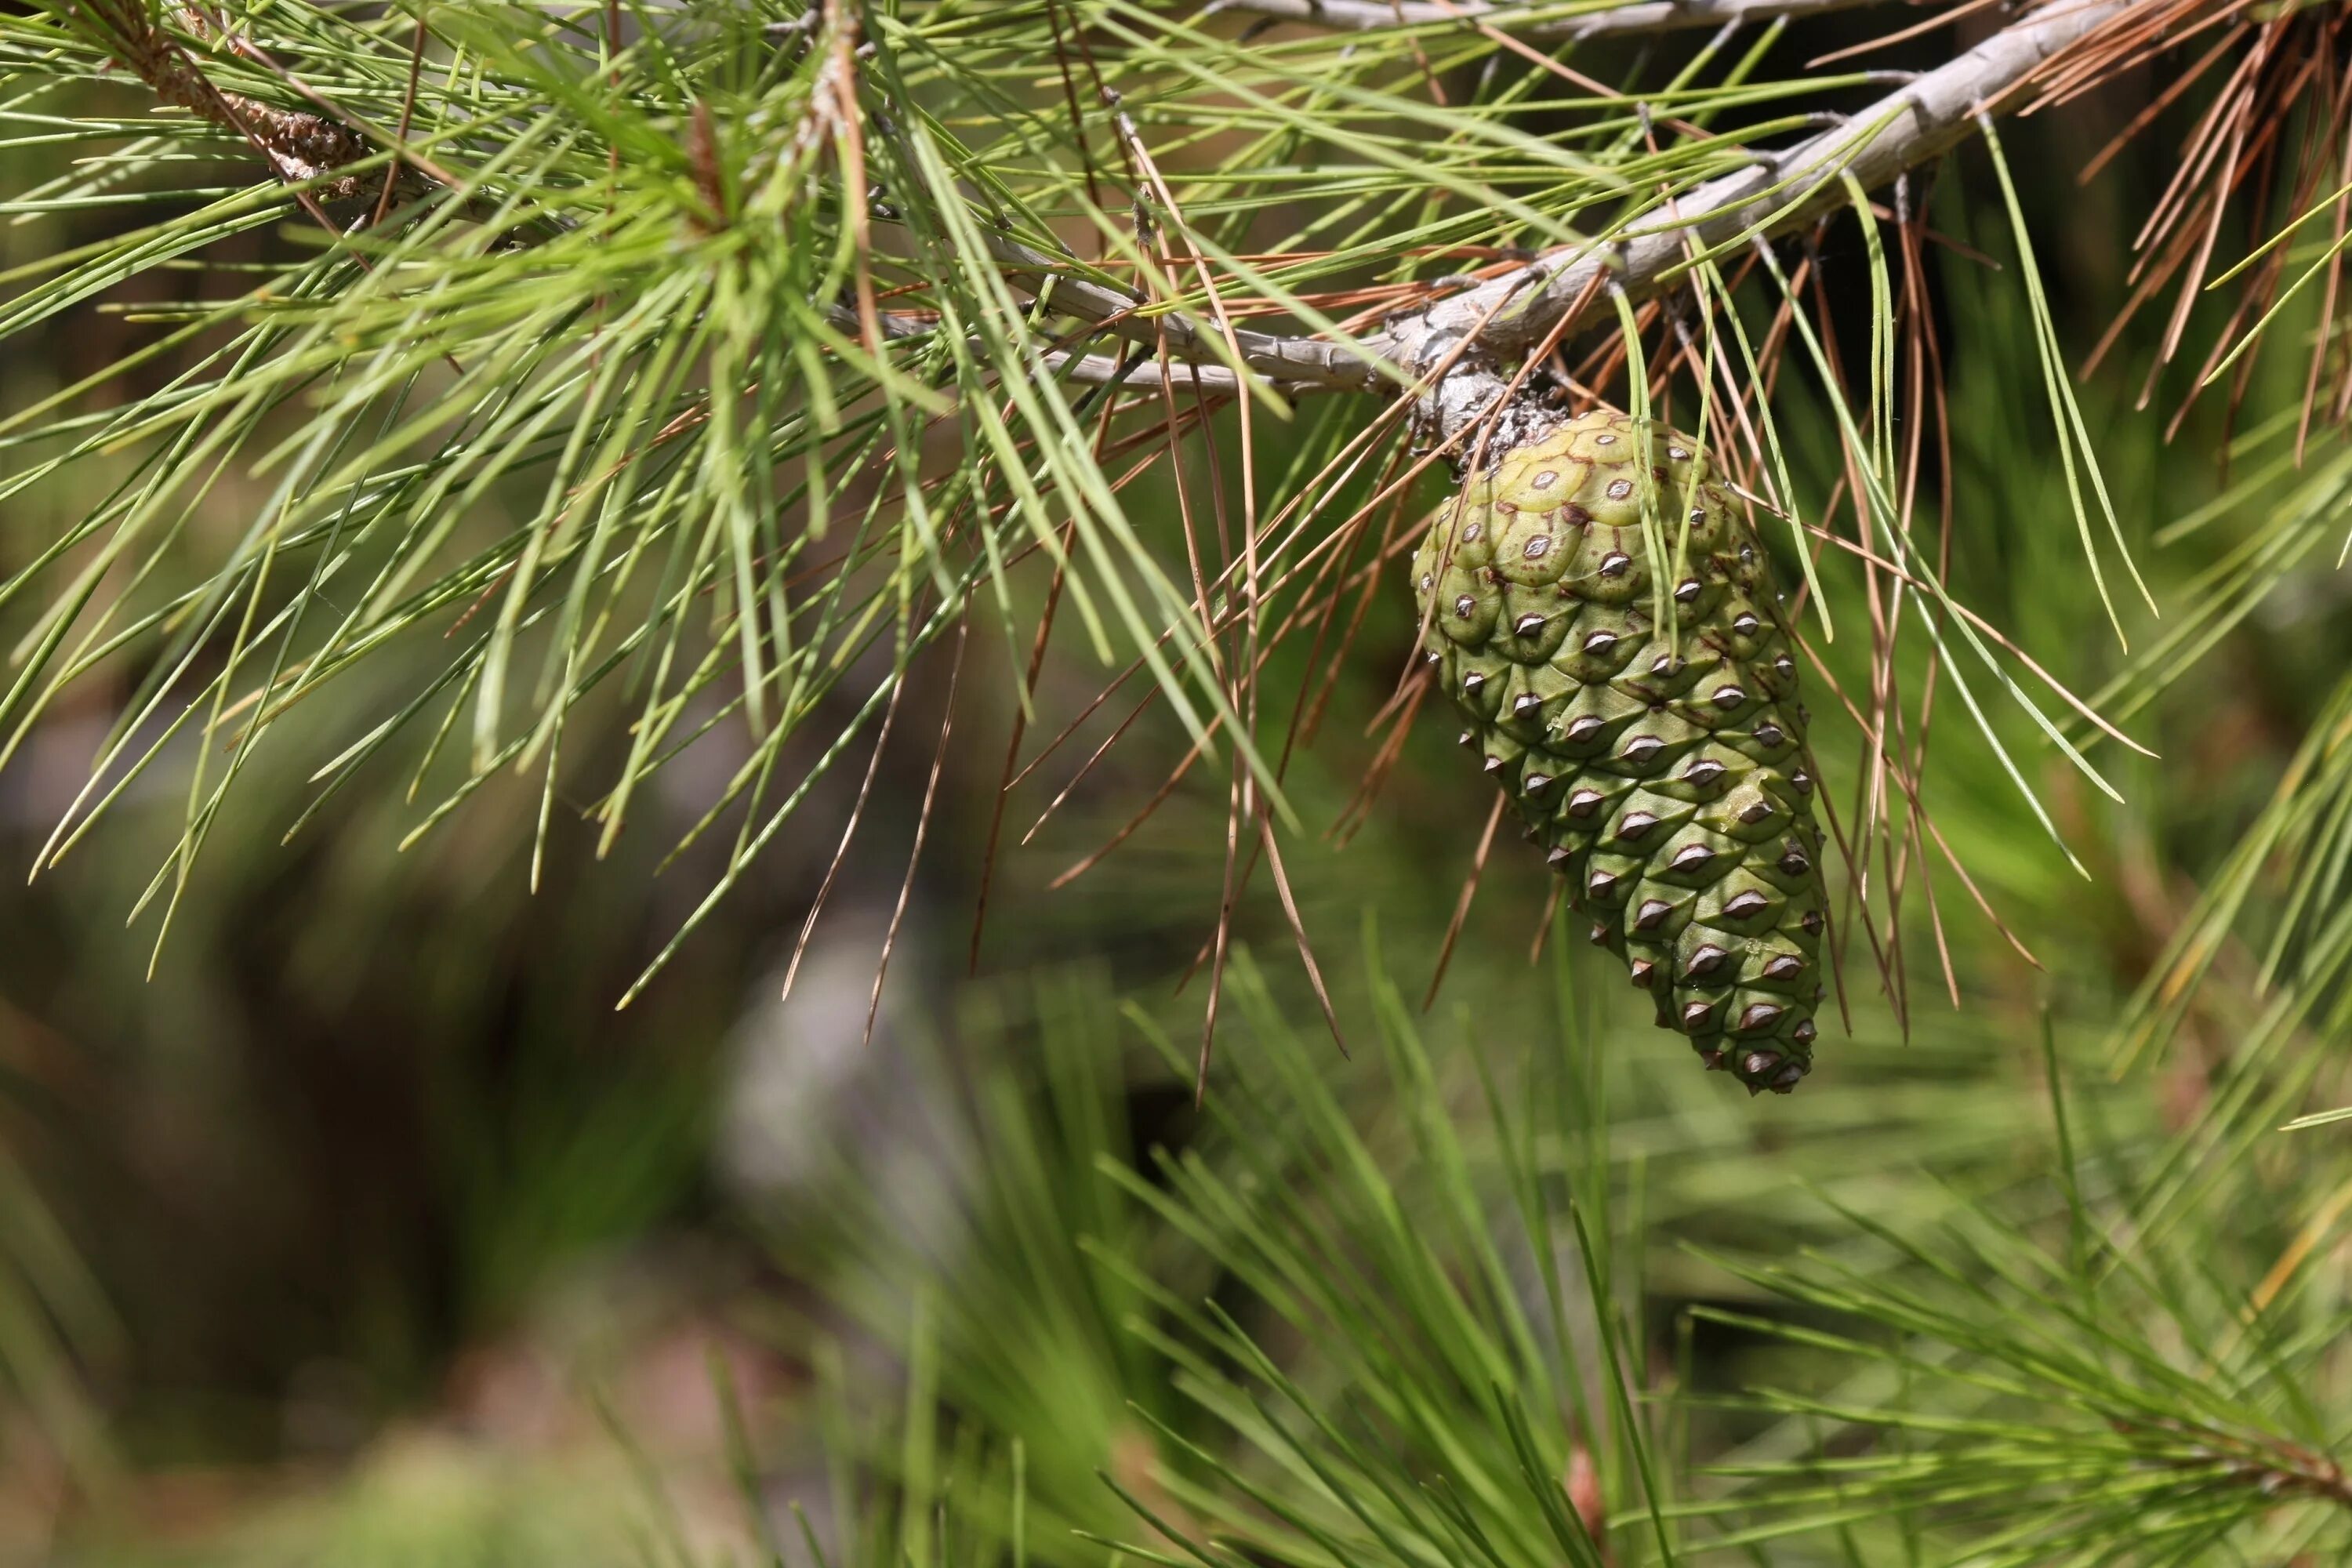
[[299, 146]]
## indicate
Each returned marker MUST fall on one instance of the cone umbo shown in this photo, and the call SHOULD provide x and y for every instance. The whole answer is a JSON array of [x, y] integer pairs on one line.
[[1633, 692]]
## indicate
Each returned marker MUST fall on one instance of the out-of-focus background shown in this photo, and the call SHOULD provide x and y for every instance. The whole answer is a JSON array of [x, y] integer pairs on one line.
[[353, 1223]]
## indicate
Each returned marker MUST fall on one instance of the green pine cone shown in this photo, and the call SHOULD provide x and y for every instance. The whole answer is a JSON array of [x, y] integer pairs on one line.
[[1663, 768]]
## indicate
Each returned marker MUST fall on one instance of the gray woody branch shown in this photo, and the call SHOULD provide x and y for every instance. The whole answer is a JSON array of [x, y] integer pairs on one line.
[[1928, 116]]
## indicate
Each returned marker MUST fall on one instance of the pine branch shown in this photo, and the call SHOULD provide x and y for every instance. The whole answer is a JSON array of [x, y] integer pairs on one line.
[[1506, 314], [1920, 120], [1531, 20], [299, 146]]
